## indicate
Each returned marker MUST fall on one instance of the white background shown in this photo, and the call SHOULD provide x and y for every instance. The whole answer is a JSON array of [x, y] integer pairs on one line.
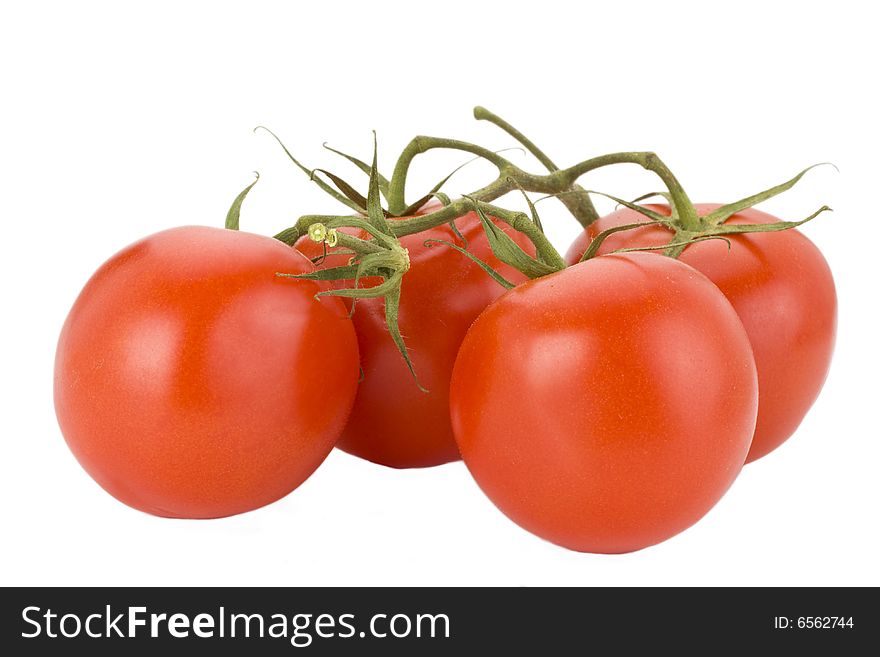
[[120, 120]]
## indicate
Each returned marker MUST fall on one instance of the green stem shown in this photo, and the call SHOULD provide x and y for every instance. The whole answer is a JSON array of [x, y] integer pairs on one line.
[[650, 161], [575, 199], [482, 114], [551, 183], [555, 182], [454, 210], [358, 245], [290, 235], [422, 144]]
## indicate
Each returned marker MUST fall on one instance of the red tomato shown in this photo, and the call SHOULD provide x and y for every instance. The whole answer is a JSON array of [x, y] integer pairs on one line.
[[608, 406], [782, 289], [394, 423], [192, 382]]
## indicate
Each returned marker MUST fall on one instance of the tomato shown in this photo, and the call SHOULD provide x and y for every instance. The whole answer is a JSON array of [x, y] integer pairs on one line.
[[394, 423], [783, 291], [608, 406], [192, 382]]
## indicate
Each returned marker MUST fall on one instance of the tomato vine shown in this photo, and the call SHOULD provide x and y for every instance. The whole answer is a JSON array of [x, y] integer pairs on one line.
[[381, 255]]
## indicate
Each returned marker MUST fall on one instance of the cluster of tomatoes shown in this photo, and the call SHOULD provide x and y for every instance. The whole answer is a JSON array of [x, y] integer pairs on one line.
[[605, 407]]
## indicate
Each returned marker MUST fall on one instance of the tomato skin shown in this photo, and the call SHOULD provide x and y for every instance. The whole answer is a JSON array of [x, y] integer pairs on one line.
[[609, 406], [783, 291], [191, 382], [393, 423]]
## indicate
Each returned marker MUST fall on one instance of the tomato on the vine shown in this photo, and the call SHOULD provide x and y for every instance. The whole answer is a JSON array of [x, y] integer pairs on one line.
[[394, 423], [191, 381], [608, 406], [783, 291]]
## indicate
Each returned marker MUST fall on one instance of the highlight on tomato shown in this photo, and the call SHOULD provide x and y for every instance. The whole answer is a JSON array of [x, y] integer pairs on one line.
[[608, 406], [188, 375]]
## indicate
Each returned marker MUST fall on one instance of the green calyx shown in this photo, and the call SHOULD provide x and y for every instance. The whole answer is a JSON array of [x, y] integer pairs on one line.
[[689, 228], [382, 257]]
